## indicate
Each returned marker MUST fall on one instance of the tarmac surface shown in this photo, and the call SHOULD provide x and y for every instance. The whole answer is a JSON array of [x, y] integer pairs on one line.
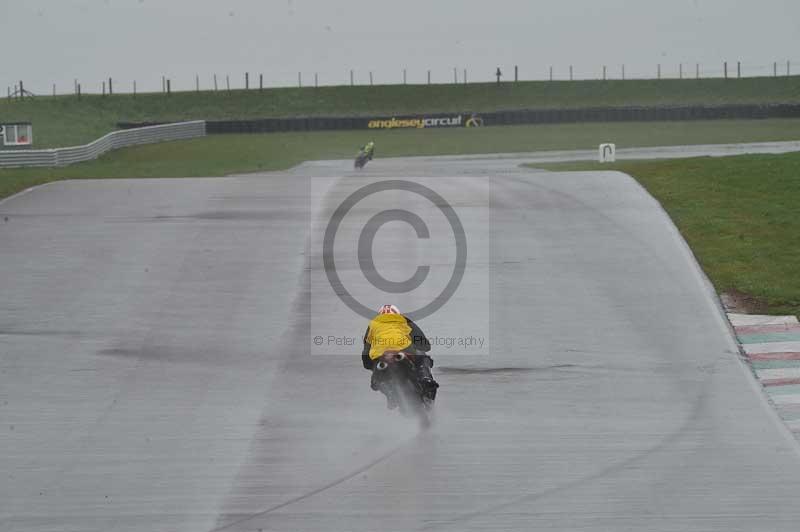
[[158, 370]]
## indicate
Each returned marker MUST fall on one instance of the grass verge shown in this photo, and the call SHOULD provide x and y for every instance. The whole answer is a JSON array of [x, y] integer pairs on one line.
[[67, 121], [739, 216]]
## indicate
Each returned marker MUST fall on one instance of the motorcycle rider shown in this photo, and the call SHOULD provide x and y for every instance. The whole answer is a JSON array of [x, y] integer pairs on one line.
[[369, 149], [391, 331]]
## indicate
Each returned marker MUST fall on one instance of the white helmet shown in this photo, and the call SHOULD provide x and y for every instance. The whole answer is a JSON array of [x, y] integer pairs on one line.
[[388, 309]]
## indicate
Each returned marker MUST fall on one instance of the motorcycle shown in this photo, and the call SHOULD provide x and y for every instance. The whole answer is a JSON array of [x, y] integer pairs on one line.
[[414, 400], [361, 160]]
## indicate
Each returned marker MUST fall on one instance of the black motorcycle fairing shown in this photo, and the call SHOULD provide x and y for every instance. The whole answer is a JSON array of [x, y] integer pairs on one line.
[[397, 374]]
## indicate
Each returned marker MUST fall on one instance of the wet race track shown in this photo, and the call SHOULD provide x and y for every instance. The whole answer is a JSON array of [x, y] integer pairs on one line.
[[159, 368]]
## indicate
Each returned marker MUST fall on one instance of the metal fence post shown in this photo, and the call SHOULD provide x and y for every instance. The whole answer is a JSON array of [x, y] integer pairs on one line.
[[726, 69], [429, 77], [110, 87], [465, 76], [104, 88], [680, 71], [738, 69], [516, 73], [246, 80], [604, 72], [659, 71], [216, 88], [351, 78], [570, 73], [261, 82], [404, 77], [697, 70], [551, 73], [169, 87], [197, 82], [134, 88], [623, 72]]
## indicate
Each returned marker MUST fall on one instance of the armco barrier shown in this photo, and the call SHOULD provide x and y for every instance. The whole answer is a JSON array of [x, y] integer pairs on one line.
[[112, 141]]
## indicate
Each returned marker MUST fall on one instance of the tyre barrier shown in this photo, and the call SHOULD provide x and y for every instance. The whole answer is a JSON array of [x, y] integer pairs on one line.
[[500, 118], [503, 118]]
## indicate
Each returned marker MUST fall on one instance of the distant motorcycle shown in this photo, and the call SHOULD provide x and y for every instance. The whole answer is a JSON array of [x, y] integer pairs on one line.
[[361, 160], [415, 400]]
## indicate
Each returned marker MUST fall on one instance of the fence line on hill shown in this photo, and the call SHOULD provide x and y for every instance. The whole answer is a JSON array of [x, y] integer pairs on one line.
[[458, 75]]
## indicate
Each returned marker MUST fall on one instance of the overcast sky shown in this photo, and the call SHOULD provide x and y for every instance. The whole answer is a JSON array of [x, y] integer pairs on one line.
[[56, 41]]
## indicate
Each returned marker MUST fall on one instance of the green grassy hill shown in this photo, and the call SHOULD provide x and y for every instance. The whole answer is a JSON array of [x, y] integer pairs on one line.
[[65, 120]]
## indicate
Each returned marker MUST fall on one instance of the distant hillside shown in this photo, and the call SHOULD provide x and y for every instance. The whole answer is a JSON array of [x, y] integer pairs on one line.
[[65, 120]]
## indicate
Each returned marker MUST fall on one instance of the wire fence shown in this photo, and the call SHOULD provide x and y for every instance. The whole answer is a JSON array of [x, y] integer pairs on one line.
[[458, 75]]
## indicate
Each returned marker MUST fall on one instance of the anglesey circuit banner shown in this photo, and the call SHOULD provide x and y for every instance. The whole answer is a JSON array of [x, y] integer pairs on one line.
[[420, 122], [266, 125], [416, 122]]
